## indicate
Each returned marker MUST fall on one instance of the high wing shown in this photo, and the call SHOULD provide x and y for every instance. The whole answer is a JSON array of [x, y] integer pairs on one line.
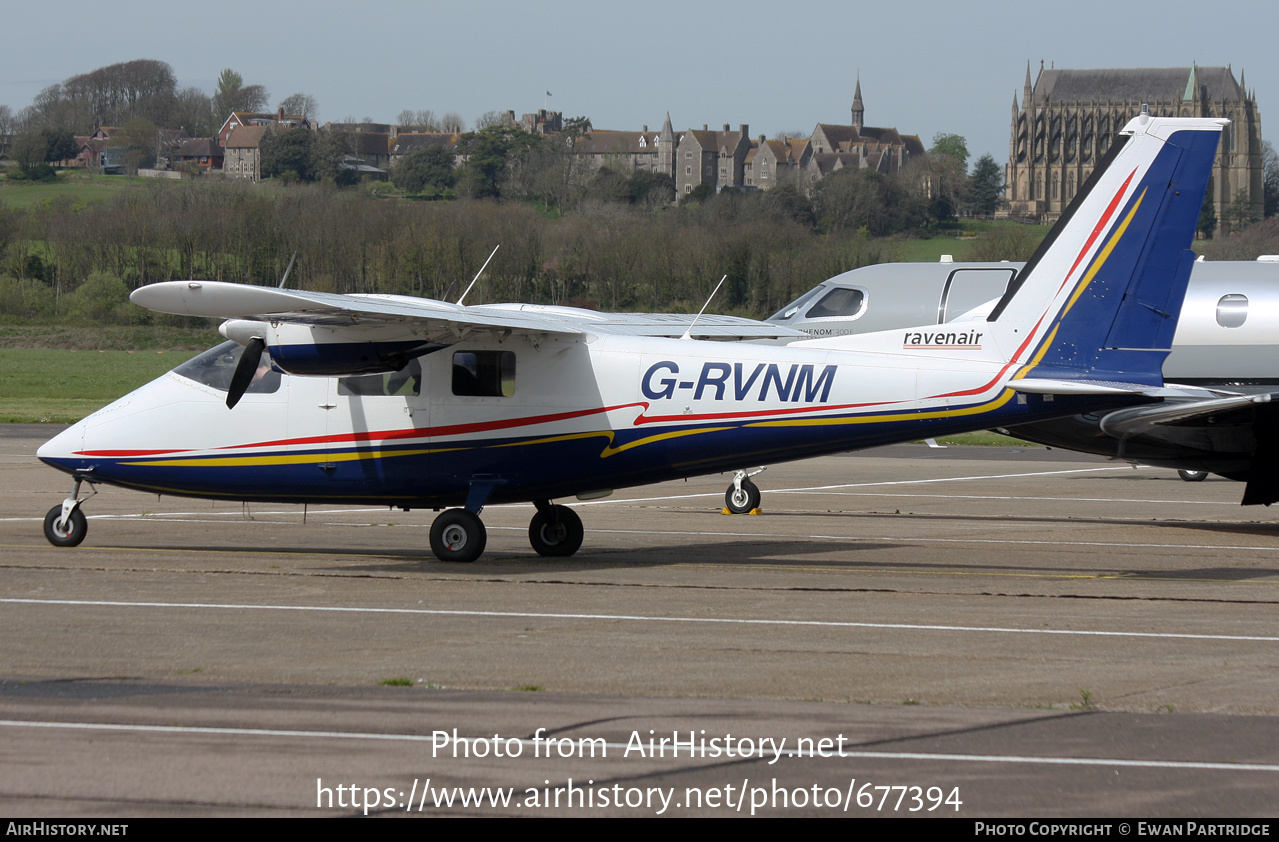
[[349, 317]]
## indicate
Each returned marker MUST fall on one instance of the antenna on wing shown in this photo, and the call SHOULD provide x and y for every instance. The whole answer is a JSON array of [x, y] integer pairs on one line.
[[481, 272], [688, 334], [289, 269]]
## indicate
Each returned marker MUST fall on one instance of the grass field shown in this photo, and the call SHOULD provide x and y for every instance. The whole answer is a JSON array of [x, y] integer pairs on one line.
[[958, 243], [74, 185], [107, 337], [61, 386]]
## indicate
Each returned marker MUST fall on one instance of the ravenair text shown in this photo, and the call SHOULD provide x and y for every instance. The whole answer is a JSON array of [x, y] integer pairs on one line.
[[741, 381], [951, 339]]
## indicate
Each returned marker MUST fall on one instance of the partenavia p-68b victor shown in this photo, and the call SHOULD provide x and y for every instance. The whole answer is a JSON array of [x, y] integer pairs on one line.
[[412, 403]]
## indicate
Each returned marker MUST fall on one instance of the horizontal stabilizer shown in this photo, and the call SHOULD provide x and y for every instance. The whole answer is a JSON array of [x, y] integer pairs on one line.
[[1142, 419], [1045, 386]]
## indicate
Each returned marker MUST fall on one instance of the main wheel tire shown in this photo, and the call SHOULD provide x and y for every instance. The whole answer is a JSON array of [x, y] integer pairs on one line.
[[556, 531], [457, 535], [67, 534], [1193, 476], [741, 502]]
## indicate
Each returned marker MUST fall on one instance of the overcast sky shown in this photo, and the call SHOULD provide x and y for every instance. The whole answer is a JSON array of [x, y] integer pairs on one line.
[[925, 67]]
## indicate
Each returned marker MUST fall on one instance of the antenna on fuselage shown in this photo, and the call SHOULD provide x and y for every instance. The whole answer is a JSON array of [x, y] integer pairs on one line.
[[477, 274], [289, 269], [688, 334]]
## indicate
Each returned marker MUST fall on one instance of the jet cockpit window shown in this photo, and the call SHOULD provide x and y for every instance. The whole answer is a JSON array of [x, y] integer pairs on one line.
[[1232, 310], [484, 374], [844, 302], [795, 306], [407, 381], [215, 366]]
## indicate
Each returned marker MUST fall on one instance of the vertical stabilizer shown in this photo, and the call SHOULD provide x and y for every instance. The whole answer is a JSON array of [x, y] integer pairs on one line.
[[1100, 298]]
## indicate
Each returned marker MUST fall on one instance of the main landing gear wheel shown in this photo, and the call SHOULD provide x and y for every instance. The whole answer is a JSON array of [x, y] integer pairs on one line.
[[1193, 476], [458, 535], [68, 532], [555, 531], [741, 500]]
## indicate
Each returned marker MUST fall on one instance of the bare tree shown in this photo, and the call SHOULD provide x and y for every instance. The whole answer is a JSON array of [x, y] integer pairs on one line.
[[1270, 185], [489, 118], [423, 119], [193, 113], [6, 127], [136, 141], [234, 95], [451, 122], [303, 104]]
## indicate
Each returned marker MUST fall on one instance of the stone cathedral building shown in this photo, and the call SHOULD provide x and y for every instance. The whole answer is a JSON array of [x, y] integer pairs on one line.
[[1069, 118]]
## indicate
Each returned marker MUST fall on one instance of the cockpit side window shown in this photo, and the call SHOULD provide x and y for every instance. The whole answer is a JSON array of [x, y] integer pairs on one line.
[[842, 302], [215, 366], [407, 381]]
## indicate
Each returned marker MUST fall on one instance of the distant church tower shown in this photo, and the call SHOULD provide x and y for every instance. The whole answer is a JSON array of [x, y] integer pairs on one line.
[[859, 110], [666, 148], [1067, 120]]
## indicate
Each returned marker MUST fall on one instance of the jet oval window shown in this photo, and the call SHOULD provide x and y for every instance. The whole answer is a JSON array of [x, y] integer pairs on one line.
[[845, 302], [1232, 310]]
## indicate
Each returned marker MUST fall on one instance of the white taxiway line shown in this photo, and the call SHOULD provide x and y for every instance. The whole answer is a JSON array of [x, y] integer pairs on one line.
[[812, 488], [849, 753], [543, 615], [613, 501]]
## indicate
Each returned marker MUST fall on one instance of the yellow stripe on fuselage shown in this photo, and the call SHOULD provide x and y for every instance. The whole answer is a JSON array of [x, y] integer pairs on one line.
[[874, 419]]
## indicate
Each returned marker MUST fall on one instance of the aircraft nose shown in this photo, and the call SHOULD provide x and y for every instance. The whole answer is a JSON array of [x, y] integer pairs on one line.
[[62, 448]]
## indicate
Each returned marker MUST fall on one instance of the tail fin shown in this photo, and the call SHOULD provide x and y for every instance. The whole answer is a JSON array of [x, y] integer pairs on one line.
[[1102, 299]]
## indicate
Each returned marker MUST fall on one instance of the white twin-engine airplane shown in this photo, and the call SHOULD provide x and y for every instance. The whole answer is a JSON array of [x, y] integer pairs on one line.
[[413, 403]]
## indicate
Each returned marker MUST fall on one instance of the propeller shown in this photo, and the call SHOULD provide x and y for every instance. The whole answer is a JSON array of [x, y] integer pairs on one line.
[[244, 371]]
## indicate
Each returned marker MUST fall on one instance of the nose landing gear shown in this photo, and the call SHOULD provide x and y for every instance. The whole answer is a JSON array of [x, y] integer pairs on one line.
[[742, 497], [66, 525]]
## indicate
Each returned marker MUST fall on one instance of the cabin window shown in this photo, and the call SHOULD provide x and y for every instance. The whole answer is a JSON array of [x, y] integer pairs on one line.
[[1232, 310], [215, 367], [484, 374], [407, 381], [838, 302]]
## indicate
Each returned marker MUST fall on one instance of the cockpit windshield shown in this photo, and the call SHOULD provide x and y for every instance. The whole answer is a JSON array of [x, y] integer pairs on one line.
[[836, 302], [795, 306], [215, 366], [840, 302]]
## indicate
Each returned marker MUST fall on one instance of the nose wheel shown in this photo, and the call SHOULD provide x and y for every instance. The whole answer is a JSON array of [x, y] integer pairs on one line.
[[65, 531], [66, 525], [742, 497]]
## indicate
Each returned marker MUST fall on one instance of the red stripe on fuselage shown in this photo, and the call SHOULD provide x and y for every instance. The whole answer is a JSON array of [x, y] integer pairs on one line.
[[450, 430], [1092, 238]]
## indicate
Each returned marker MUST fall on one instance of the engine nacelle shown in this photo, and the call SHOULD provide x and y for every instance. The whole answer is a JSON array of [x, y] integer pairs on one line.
[[315, 351]]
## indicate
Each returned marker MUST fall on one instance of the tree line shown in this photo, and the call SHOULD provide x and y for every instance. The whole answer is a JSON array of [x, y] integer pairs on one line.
[[608, 256]]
